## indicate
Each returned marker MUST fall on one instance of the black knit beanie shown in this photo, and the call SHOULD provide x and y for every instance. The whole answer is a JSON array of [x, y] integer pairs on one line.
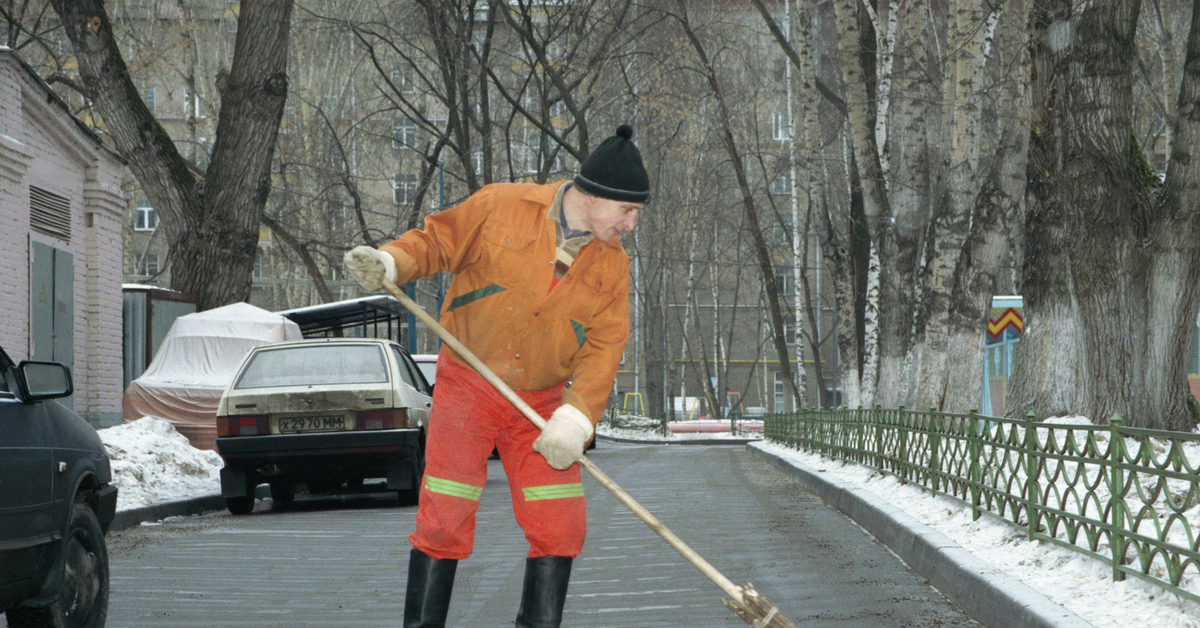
[[615, 171]]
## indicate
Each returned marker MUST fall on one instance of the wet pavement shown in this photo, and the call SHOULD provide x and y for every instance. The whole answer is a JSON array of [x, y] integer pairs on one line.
[[342, 562]]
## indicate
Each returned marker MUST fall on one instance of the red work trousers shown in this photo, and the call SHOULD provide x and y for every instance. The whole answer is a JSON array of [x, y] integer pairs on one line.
[[468, 418]]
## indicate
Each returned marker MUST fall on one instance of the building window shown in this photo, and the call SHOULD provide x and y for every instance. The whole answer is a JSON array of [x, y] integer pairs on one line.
[[404, 188], [782, 126], [146, 219], [781, 185], [780, 398], [232, 9], [335, 216], [785, 281], [404, 133], [257, 273], [148, 96], [402, 83], [148, 265], [780, 231], [789, 330]]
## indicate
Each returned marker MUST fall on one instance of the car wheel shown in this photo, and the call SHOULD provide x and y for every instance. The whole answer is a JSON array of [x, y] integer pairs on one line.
[[283, 493], [83, 600], [240, 505], [409, 496], [412, 496], [244, 504]]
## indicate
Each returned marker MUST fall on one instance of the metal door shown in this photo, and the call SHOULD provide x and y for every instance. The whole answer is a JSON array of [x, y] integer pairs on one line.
[[52, 306]]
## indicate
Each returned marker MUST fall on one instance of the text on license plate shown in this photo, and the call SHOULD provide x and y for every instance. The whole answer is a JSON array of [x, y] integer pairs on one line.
[[311, 424]]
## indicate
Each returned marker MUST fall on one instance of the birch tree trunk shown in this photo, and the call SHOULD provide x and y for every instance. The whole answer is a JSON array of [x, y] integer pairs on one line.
[[807, 191], [992, 247], [860, 367], [943, 309], [911, 153]]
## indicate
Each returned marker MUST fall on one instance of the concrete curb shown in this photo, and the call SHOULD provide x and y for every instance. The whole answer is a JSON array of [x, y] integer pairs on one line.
[[994, 598], [181, 508], [157, 512]]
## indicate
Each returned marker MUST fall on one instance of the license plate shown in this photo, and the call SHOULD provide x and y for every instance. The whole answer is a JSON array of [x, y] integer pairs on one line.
[[292, 425]]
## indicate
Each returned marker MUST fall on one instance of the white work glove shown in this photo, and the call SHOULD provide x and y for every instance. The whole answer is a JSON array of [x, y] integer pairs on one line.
[[370, 267], [564, 436]]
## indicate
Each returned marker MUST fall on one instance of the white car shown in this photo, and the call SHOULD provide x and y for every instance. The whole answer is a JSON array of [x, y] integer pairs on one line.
[[325, 413], [427, 362]]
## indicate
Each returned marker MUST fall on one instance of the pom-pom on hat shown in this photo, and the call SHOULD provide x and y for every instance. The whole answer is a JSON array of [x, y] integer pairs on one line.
[[615, 171]]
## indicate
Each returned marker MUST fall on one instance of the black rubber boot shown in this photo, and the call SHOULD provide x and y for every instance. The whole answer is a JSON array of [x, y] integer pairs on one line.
[[428, 597], [545, 592]]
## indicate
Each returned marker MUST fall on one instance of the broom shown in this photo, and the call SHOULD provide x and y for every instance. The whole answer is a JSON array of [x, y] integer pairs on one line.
[[745, 602]]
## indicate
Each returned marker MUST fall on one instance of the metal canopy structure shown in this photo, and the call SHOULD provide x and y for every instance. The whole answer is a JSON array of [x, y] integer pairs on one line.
[[364, 317]]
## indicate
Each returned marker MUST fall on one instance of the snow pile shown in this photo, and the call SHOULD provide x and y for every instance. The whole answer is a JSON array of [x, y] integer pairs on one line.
[[152, 464]]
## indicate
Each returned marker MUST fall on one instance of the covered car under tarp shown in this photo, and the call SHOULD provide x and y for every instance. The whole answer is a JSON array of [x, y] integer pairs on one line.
[[197, 358]]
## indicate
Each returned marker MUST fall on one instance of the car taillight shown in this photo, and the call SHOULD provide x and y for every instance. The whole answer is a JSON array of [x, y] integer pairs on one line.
[[242, 425], [381, 419]]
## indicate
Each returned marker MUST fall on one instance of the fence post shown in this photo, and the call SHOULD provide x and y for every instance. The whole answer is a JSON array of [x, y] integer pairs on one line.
[[798, 428], [882, 425], [1032, 494], [975, 471], [935, 465], [902, 449], [1116, 504], [860, 444]]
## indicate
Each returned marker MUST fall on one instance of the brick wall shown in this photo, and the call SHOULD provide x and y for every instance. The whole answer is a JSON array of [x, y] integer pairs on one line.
[[41, 145]]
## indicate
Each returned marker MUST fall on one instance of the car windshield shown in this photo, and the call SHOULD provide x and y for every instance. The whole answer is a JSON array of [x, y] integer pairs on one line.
[[315, 366]]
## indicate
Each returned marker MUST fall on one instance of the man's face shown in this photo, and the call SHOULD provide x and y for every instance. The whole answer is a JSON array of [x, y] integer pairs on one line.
[[607, 219]]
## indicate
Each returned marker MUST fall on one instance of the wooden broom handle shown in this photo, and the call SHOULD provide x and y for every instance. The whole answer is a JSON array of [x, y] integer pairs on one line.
[[731, 589]]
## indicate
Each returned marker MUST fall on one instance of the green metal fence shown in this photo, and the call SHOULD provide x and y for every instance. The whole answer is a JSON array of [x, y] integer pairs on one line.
[[1126, 496]]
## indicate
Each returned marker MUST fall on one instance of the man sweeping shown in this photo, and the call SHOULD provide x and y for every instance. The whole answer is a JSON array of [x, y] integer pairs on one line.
[[540, 295]]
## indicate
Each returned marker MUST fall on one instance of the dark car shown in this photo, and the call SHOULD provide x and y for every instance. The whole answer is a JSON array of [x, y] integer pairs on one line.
[[326, 414], [56, 503]]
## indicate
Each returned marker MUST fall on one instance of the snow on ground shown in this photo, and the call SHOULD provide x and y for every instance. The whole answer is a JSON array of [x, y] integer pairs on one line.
[[153, 464], [1081, 584]]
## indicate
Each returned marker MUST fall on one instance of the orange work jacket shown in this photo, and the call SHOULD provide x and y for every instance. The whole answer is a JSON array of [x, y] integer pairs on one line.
[[500, 246]]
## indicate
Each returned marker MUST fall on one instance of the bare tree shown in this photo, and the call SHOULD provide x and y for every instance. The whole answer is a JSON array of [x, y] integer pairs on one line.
[[913, 252], [733, 152], [212, 222]]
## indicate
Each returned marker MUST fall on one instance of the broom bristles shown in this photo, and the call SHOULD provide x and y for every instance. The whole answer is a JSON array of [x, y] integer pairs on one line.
[[755, 610]]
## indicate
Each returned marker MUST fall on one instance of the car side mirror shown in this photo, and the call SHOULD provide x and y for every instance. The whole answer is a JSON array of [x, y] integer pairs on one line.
[[44, 380]]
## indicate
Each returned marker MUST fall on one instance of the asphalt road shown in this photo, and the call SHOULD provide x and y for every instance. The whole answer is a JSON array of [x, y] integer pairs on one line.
[[342, 562]]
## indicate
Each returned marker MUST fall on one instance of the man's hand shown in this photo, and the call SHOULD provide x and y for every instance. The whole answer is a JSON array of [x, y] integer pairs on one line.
[[564, 436], [370, 267]]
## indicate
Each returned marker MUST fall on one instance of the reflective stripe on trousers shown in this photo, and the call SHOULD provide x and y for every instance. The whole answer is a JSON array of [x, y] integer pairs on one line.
[[468, 418]]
